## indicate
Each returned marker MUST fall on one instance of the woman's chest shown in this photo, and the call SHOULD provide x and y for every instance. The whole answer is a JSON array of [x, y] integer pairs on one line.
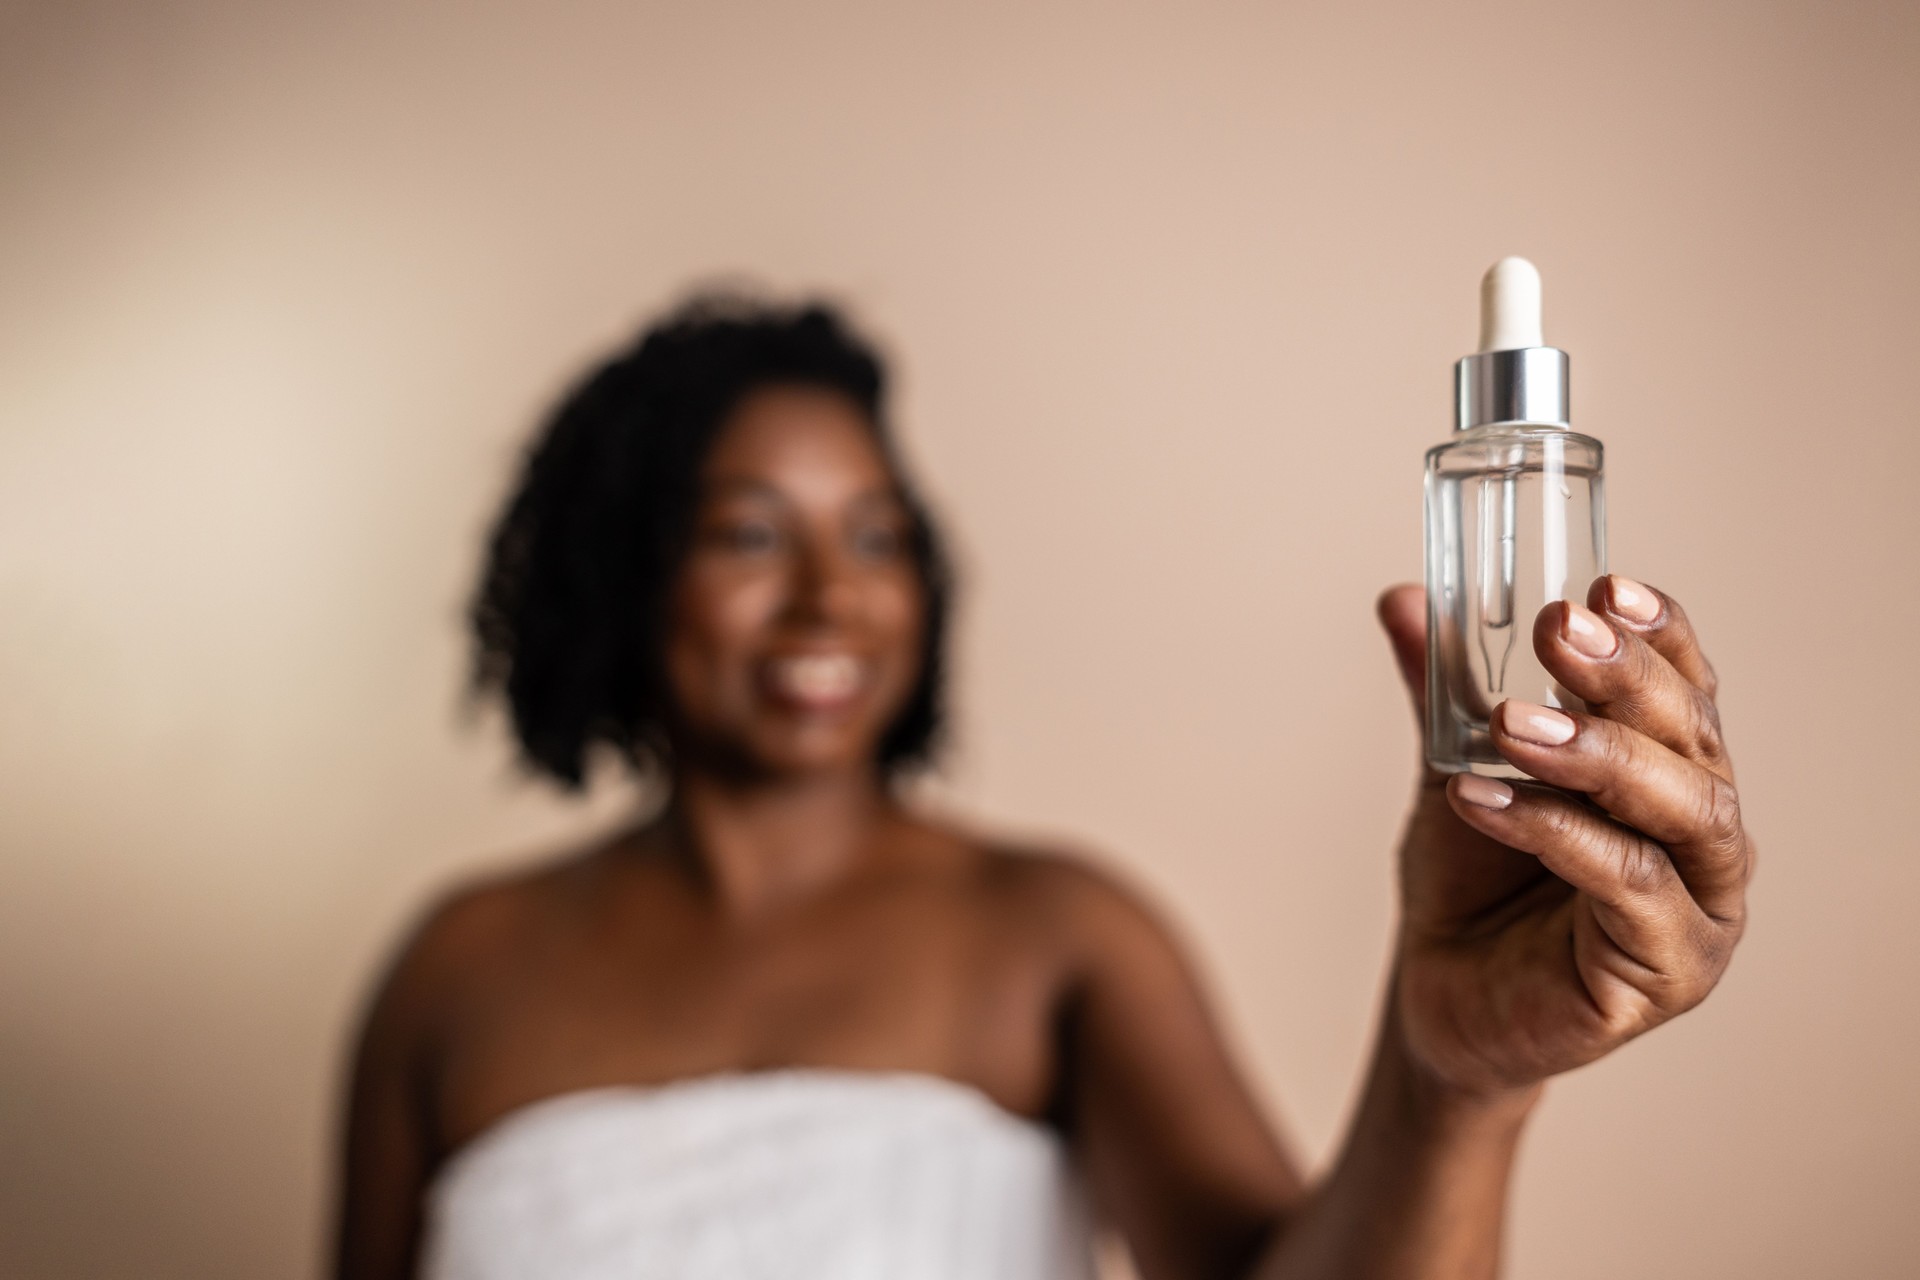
[[896, 983]]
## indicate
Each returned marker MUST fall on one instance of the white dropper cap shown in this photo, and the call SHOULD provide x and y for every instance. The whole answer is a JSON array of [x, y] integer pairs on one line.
[[1510, 306], [1515, 376]]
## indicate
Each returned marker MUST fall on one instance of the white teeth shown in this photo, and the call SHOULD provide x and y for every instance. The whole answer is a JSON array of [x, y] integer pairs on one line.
[[815, 677]]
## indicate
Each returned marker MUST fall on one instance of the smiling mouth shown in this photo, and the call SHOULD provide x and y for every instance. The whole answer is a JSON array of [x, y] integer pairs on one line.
[[813, 681]]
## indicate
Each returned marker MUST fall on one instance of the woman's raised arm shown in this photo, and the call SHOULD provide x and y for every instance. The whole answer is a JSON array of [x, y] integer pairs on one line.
[[1542, 926]]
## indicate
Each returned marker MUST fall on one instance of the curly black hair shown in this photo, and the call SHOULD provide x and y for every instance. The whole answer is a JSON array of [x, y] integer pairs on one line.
[[569, 619]]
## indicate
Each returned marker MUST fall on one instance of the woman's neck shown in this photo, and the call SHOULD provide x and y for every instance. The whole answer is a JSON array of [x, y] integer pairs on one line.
[[757, 844]]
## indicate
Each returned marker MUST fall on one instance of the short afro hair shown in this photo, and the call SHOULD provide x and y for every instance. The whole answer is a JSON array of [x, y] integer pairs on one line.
[[570, 616]]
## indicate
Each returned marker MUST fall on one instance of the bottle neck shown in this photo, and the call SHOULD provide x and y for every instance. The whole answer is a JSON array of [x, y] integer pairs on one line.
[[1527, 385]]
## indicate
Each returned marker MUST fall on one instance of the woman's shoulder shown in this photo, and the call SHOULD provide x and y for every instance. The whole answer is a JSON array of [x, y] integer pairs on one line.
[[473, 918], [465, 936], [1077, 894]]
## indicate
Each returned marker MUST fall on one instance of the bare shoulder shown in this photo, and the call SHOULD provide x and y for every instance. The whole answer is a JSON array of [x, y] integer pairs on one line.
[[1081, 899], [471, 930]]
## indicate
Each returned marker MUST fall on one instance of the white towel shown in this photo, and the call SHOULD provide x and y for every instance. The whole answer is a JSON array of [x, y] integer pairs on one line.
[[797, 1173]]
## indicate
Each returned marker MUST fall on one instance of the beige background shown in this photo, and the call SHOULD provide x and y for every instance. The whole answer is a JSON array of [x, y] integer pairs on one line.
[[1174, 292]]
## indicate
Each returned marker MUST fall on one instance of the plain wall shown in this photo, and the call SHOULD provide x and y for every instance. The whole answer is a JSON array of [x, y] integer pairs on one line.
[[1174, 292]]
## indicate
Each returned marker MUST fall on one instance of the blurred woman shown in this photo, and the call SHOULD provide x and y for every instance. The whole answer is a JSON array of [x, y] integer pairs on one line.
[[788, 1026]]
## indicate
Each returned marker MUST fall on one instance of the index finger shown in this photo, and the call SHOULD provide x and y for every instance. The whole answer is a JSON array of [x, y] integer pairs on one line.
[[1657, 618]]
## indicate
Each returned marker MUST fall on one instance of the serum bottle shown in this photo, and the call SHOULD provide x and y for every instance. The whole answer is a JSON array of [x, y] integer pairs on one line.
[[1516, 518]]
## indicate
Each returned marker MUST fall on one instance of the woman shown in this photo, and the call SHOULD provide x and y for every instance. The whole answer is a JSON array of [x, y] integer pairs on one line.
[[789, 1027]]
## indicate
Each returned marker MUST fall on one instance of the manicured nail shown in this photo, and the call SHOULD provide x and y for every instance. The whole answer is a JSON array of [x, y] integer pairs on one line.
[[1530, 722], [1585, 632], [1633, 601], [1488, 793]]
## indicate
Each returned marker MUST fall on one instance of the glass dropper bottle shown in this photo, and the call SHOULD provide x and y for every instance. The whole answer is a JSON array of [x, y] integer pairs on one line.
[[1516, 518]]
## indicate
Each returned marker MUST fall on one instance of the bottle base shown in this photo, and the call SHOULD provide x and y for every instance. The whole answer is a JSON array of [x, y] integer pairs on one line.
[[1466, 746], [1484, 768]]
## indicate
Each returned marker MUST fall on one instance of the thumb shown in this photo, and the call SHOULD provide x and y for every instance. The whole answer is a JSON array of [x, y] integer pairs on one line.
[[1403, 612]]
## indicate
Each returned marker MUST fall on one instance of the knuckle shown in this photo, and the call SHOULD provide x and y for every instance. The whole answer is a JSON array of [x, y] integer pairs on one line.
[[1630, 1018], [1707, 740], [1731, 920], [1709, 713], [1669, 996], [1640, 690], [1689, 992], [1732, 928], [1689, 982], [1715, 940], [1610, 748], [1557, 822], [1719, 818], [1640, 864]]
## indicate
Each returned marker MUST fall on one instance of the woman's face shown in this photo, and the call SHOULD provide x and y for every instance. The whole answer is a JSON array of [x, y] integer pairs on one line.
[[794, 628]]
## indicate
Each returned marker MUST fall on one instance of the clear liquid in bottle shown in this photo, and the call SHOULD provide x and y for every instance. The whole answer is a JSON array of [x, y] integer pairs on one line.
[[1516, 518]]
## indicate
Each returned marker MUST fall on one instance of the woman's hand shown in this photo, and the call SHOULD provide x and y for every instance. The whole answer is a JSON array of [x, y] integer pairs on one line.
[[1545, 925]]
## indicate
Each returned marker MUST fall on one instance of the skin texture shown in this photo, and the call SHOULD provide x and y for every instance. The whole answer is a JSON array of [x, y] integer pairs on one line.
[[785, 909]]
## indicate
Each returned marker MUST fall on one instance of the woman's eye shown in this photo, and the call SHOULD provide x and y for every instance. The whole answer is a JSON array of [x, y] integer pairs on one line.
[[878, 542], [747, 537]]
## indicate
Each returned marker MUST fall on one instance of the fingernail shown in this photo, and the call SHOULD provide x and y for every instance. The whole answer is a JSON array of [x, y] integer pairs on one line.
[[1633, 601], [1585, 632], [1485, 792], [1530, 722]]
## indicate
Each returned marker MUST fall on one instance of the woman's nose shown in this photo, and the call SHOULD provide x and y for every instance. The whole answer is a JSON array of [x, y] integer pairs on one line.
[[823, 587]]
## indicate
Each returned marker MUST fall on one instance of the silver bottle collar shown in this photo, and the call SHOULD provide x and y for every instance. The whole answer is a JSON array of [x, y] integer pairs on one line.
[[1527, 384]]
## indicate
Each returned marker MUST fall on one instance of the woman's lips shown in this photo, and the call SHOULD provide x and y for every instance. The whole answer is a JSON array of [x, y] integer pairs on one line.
[[813, 681]]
